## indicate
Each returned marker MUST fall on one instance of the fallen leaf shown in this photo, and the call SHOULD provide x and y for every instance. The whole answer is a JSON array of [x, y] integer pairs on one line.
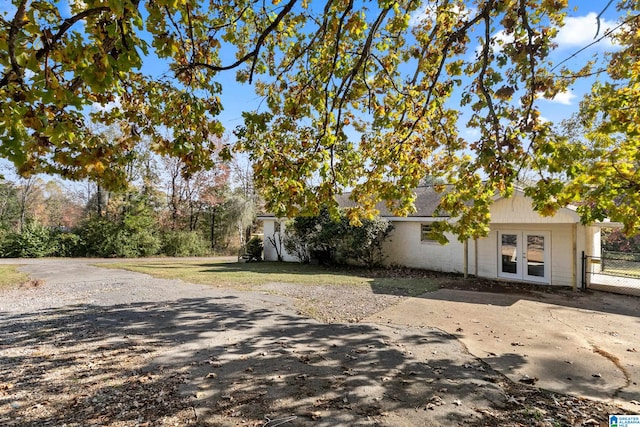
[[528, 380]]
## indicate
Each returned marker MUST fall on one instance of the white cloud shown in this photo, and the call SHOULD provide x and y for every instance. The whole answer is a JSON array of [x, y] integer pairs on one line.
[[501, 38], [429, 10], [426, 13], [579, 31], [471, 132], [564, 98], [108, 106], [498, 40]]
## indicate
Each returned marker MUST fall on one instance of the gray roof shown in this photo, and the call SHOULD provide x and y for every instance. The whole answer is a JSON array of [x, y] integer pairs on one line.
[[427, 200]]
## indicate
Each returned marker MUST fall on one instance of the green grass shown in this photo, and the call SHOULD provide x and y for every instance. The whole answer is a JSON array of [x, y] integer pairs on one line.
[[250, 275], [11, 277]]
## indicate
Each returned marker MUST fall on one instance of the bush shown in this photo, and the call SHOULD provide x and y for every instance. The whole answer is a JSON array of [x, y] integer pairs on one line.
[[97, 237], [336, 241], [254, 249], [66, 244], [34, 241], [131, 238], [184, 243], [363, 244]]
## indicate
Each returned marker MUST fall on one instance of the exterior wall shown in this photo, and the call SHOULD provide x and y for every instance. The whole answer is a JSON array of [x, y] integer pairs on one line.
[[566, 263], [403, 247], [269, 252], [518, 210]]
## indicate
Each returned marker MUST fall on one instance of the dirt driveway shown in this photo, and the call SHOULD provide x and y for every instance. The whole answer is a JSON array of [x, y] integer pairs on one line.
[[107, 347]]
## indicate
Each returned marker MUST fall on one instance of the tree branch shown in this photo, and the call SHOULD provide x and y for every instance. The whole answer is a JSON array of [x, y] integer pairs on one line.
[[256, 51], [16, 23]]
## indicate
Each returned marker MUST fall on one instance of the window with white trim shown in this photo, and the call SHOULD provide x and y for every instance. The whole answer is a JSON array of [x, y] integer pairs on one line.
[[276, 227]]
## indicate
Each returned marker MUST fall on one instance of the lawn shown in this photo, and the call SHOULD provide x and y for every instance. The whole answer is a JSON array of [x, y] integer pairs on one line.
[[247, 276], [10, 276]]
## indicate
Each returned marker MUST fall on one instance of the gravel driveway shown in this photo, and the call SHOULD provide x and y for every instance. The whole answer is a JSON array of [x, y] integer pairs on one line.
[[92, 346]]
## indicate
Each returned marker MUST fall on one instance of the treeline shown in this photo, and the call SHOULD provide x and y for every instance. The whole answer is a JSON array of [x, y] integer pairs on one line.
[[162, 212]]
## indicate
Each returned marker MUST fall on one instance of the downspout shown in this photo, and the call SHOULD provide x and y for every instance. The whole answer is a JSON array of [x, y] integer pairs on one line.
[[574, 255], [475, 256], [466, 258]]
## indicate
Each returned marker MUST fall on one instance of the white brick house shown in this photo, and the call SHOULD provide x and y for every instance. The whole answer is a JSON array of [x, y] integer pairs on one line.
[[521, 246]]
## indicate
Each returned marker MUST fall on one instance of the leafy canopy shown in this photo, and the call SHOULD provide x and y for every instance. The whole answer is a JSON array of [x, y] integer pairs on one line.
[[362, 96]]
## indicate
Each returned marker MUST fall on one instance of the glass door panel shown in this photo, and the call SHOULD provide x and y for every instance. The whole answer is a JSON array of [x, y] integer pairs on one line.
[[509, 253], [535, 255]]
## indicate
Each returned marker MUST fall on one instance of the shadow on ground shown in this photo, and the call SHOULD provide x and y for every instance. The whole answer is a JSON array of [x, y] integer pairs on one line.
[[500, 295], [208, 361]]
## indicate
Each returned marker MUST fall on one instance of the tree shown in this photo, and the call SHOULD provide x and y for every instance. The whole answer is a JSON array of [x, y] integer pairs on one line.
[[245, 200], [62, 210], [190, 198], [599, 150], [31, 202], [9, 205], [364, 96]]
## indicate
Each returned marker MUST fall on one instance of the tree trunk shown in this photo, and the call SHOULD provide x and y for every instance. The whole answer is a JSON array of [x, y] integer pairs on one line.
[[213, 227]]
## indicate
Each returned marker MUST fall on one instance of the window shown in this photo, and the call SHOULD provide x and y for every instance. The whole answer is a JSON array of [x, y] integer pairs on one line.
[[276, 227], [425, 233]]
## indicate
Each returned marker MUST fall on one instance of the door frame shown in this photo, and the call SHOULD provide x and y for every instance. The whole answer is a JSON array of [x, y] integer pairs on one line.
[[520, 256]]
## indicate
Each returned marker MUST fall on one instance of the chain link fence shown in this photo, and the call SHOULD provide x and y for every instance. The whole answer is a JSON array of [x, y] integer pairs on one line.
[[617, 272]]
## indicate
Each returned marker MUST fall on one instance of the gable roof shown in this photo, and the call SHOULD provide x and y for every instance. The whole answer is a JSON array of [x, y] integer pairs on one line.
[[427, 200]]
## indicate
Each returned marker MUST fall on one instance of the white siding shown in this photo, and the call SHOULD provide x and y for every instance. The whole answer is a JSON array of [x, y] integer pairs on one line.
[[270, 253], [518, 210], [566, 265], [403, 247]]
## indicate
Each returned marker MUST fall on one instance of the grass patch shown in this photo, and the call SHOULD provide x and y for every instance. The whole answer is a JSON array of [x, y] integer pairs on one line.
[[250, 275], [10, 276]]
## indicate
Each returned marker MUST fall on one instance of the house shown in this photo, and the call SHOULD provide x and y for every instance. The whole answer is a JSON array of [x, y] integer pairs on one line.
[[522, 245]]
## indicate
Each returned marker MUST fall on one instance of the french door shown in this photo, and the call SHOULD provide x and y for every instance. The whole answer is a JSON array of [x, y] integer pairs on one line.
[[524, 255]]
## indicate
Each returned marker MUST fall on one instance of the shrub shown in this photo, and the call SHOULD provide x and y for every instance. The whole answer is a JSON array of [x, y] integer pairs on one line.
[[184, 243], [34, 241], [97, 237], [66, 244], [363, 244], [336, 241], [133, 237], [254, 249]]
